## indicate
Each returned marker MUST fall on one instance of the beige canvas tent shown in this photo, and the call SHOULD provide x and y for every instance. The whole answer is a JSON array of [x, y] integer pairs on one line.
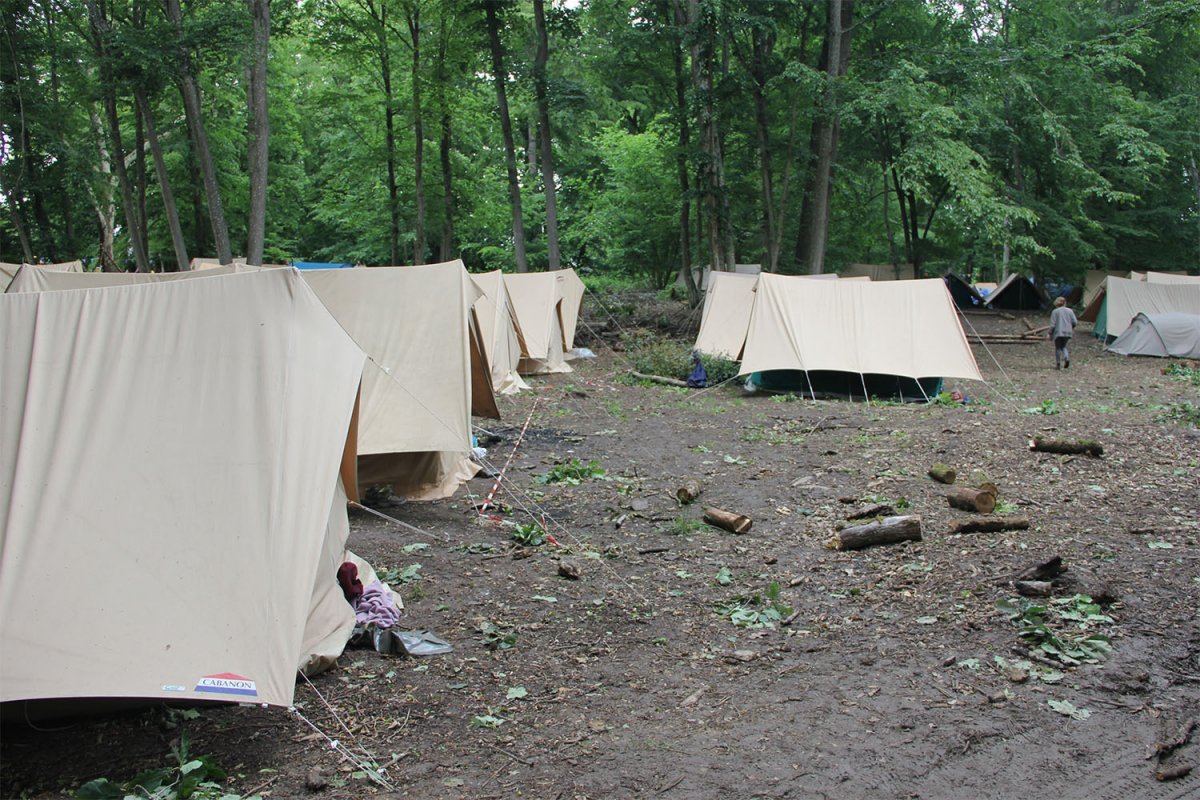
[[7, 273], [171, 505], [426, 373], [879, 272], [726, 314], [32, 279], [500, 332], [908, 329], [572, 303], [543, 311], [1123, 299], [1172, 277]]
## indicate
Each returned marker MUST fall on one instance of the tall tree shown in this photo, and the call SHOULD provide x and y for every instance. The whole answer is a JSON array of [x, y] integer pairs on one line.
[[500, 78], [259, 134], [412, 14], [544, 139]]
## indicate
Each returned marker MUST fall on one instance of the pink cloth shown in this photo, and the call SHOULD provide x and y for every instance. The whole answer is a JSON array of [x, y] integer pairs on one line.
[[376, 606]]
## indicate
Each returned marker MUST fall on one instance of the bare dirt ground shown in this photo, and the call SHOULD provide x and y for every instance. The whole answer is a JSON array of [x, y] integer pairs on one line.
[[897, 678]]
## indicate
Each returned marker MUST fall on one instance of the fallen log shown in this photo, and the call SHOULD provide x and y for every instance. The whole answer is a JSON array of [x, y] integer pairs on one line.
[[882, 510], [942, 473], [727, 520], [658, 379], [972, 500], [688, 492], [990, 525], [889, 530], [1065, 447], [1037, 333], [1045, 571]]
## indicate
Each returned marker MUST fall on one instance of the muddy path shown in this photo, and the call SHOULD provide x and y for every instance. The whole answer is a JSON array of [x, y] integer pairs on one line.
[[897, 675]]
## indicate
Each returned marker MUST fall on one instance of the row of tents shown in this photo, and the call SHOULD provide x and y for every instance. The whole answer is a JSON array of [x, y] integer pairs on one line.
[[177, 451]]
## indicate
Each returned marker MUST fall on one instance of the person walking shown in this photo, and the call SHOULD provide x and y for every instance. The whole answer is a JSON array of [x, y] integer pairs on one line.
[[1062, 326]]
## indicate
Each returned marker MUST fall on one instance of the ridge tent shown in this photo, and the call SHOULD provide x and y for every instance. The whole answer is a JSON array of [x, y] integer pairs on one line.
[[427, 372], [985, 288], [880, 272], [198, 264], [1093, 282], [572, 294], [1113, 309], [7, 273], [171, 456], [501, 335], [701, 274], [540, 300], [726, 315], [844, 334], [37, 280], [1015, 293], [963, 293], [1171, 335], [1172, 277]]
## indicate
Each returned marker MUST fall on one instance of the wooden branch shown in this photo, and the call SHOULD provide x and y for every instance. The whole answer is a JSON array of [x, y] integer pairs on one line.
[[942, 473], [990, 525], [727, 520], [1065, 447], [658, 379], [882, 510], [975, 500], [886, 531]]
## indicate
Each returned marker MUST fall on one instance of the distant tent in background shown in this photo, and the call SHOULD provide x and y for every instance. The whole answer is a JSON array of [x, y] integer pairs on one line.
[[899, 338], [963, 293], [726, 315], [1172, 277], [879, 272], [701, 274], [231, 486], [214, 263], [320, 265], [985, 288], [32, 279], [426, 375], [62, 266], [547, 306], [1093, 282], [1113, 309], [1172, 335], [500, 332], [1016, 293]]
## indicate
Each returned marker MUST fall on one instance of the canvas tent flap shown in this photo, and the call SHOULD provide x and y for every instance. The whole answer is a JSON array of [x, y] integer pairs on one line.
[[501, 334], [726, 315], [169, 455], [1172, 277], [1125, 298], [537, 297], [1171, 335], [572, 290], [32, 279], [905, 328], [1016, 292], [880, 272]]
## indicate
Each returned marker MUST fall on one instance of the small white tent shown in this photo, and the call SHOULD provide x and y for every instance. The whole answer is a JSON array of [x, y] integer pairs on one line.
[[542, 304], [170, 462]]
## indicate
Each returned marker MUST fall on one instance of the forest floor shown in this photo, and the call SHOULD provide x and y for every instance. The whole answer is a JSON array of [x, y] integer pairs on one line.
[[897, 677]]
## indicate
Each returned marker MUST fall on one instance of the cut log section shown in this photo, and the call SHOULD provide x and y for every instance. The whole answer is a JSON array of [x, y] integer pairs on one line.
[[889, 530], [727, 520], [883, 510], [942, 473], [990, 525], [658, 379], [1065, 447], [688, 492], [965, 499]]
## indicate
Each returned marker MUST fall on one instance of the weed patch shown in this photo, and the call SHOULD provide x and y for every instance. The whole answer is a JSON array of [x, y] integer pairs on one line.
[[1063, 629], [572, 473]]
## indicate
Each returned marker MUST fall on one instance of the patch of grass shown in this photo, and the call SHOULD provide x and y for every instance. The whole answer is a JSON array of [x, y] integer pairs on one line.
[[497, 636], [759, 610], [1063, 629], [1184, 413], [400, 575], [685, 526], [572, 473], [1047, 407], [1184, 372], [529, 534], [788, 397]]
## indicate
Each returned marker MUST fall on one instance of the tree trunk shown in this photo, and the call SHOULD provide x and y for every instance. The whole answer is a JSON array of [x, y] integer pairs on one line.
[[189, 89], [543, 109], [681, 159], [100, 30], [888, 530], [761, 46], [709, 178], [825, 131], [414, 30], [259, 138], [510, 157], [139, 173], [966, 499], [164, 181], [444, 149], [197, 187], [102, 197], [389, 122]]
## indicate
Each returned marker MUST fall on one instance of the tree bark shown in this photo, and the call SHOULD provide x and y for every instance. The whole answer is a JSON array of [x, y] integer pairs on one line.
[[102, 196], [889, 530], [761, 47], [813, 242], [681, 158], [259, 139], [543, 110], [990, 525], [942, 473], [164, 181], [379, 15], [500, 77], [139, 174], [709, 177], [190, 91], [1064, 447], [966, 499], [728, 520], [444, 147], [414, 31]]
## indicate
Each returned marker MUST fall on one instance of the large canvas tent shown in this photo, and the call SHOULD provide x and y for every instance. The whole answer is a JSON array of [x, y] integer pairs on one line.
[[500, 332], [726, 314], [1172, 277], [852, 332], [879, 272], [172, 512], [427, 371], [1016, 293], [7, 273], [32, 279], [547, 306], [1113, 310], [1172, 335]]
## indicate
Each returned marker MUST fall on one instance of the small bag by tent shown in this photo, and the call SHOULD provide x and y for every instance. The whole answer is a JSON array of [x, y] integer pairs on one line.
[[896, 337], [547, 306], [1113, 309], [1171, 335], [501, 335], [963, 293], [172, 512], [1016, 293]]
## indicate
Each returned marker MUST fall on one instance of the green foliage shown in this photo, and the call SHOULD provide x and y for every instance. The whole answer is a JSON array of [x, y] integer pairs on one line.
[[1177, 370], [670, 358], [497, 636], [759, 610], [529, 534], [1047, 407], [685, 526], [1062, 629], [197, 778], [400, 575], [1182, 413], [572, 473]]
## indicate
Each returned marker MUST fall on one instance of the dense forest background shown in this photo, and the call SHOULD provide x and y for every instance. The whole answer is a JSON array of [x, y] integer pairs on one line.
[[1046, 136]]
